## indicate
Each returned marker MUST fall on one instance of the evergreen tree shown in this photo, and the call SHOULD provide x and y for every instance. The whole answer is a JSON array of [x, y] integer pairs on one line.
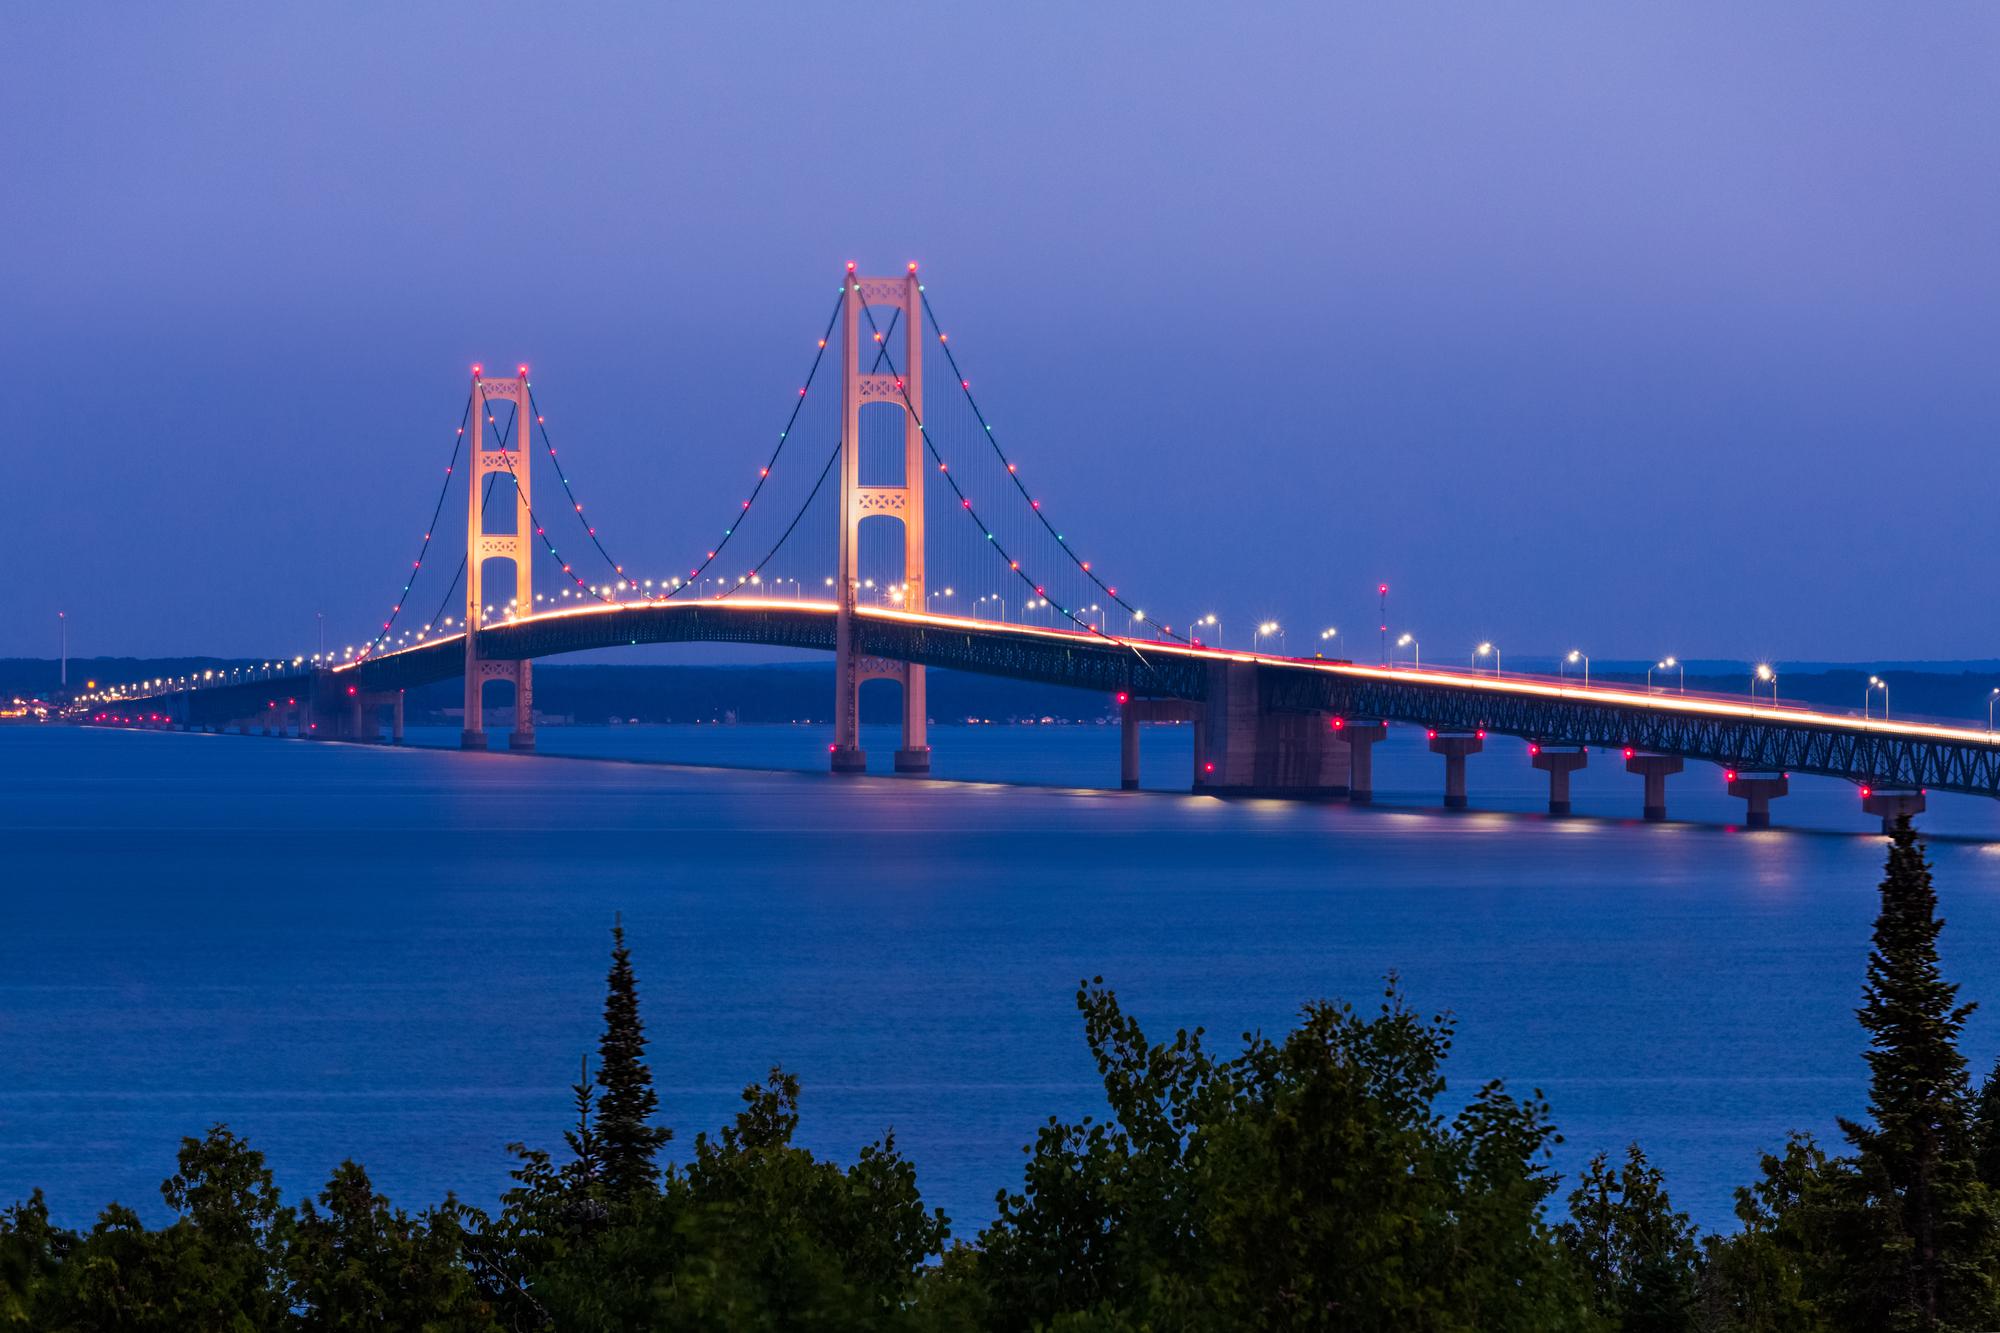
[[1986, 1130], [626, 1140], [1919, 1238], [1639, 1254]]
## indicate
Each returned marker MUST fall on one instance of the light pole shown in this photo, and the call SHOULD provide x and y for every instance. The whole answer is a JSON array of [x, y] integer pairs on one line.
[[1577, 655], [1769, 677], [322, 632], [1268, 627], [62, 627], [1668, 665], [1328, 633], [1382, 590], [1991, 699], [1875, 683], [1417, 649], [1210, 619], [1481, 651]]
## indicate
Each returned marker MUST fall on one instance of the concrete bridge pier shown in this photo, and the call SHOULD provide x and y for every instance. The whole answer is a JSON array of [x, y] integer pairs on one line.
[[1244, 749], [1131, 713], [1455, 746], [1558, 761], [396, 720], [1128, 745], [1656, 769], [1361, 736], [1892, 803], [1758, 790]]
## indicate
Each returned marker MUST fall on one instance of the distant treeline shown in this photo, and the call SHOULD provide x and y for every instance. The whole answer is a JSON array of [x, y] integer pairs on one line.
[[803, 692], [771, 692], [1313, 1181]]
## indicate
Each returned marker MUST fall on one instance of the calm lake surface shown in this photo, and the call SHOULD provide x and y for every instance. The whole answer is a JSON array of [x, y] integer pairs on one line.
[[398, 955]]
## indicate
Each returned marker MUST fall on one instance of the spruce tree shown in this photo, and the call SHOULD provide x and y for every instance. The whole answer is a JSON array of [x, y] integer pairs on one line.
[[1919, 1235], [626, 1141], [1986, 1130]]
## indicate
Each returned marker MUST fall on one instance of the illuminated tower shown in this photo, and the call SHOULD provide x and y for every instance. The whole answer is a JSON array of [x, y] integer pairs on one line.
[[481, 546], [903, 502]]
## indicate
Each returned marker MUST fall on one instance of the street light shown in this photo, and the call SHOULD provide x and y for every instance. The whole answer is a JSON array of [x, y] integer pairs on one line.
[[1875, 683], [1769, 677], [1481, 651], [1417, 649], [1991, 699], [1210, 619], [1576, 655], [1328, 633], [1668, 665], [1268, 627]]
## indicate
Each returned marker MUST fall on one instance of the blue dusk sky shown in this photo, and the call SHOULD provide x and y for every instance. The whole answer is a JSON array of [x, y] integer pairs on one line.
[[1655, 328]]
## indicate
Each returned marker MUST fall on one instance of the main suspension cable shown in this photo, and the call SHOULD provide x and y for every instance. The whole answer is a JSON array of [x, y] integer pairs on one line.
[[763, 474], [965, 386], [417, 565], [507, 457], [790, 527], [965, 501], [694, 575]]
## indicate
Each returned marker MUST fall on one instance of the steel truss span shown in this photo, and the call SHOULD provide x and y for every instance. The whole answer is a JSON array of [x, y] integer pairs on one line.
[[1733, 735]]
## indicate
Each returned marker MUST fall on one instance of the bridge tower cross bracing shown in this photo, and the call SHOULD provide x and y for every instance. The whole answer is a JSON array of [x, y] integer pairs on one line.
[[481, 546], [904, 502]]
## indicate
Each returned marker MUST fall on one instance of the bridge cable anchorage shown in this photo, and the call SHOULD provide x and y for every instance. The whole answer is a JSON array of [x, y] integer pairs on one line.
[[965, 387], [965, 503], [507, 457], [729, 532], [806, 506], [416, 567]]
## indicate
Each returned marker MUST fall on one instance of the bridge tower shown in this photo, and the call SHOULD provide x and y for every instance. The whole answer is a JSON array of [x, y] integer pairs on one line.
[[904, 502], [481, 546]]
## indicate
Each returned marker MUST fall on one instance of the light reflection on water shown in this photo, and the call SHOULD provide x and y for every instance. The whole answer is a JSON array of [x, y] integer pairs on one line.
[[399, 955]]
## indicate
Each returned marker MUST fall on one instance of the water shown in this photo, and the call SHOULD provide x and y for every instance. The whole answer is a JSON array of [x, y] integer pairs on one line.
[[398, 955]]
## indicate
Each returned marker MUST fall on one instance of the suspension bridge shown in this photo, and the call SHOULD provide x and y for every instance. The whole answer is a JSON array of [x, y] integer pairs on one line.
[[900, 477]]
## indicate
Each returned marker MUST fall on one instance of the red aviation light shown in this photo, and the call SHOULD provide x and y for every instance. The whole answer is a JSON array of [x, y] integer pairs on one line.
[[350, 689], [1123, 697], [1208, 768], [1866, 793], [1339, 722], [1431, 735], [1729, 775], [1481, 733], [1534, 749], [1628, 752]]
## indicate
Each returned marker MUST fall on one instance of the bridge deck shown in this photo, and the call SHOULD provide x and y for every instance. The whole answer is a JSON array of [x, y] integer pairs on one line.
[[1726, 731]]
